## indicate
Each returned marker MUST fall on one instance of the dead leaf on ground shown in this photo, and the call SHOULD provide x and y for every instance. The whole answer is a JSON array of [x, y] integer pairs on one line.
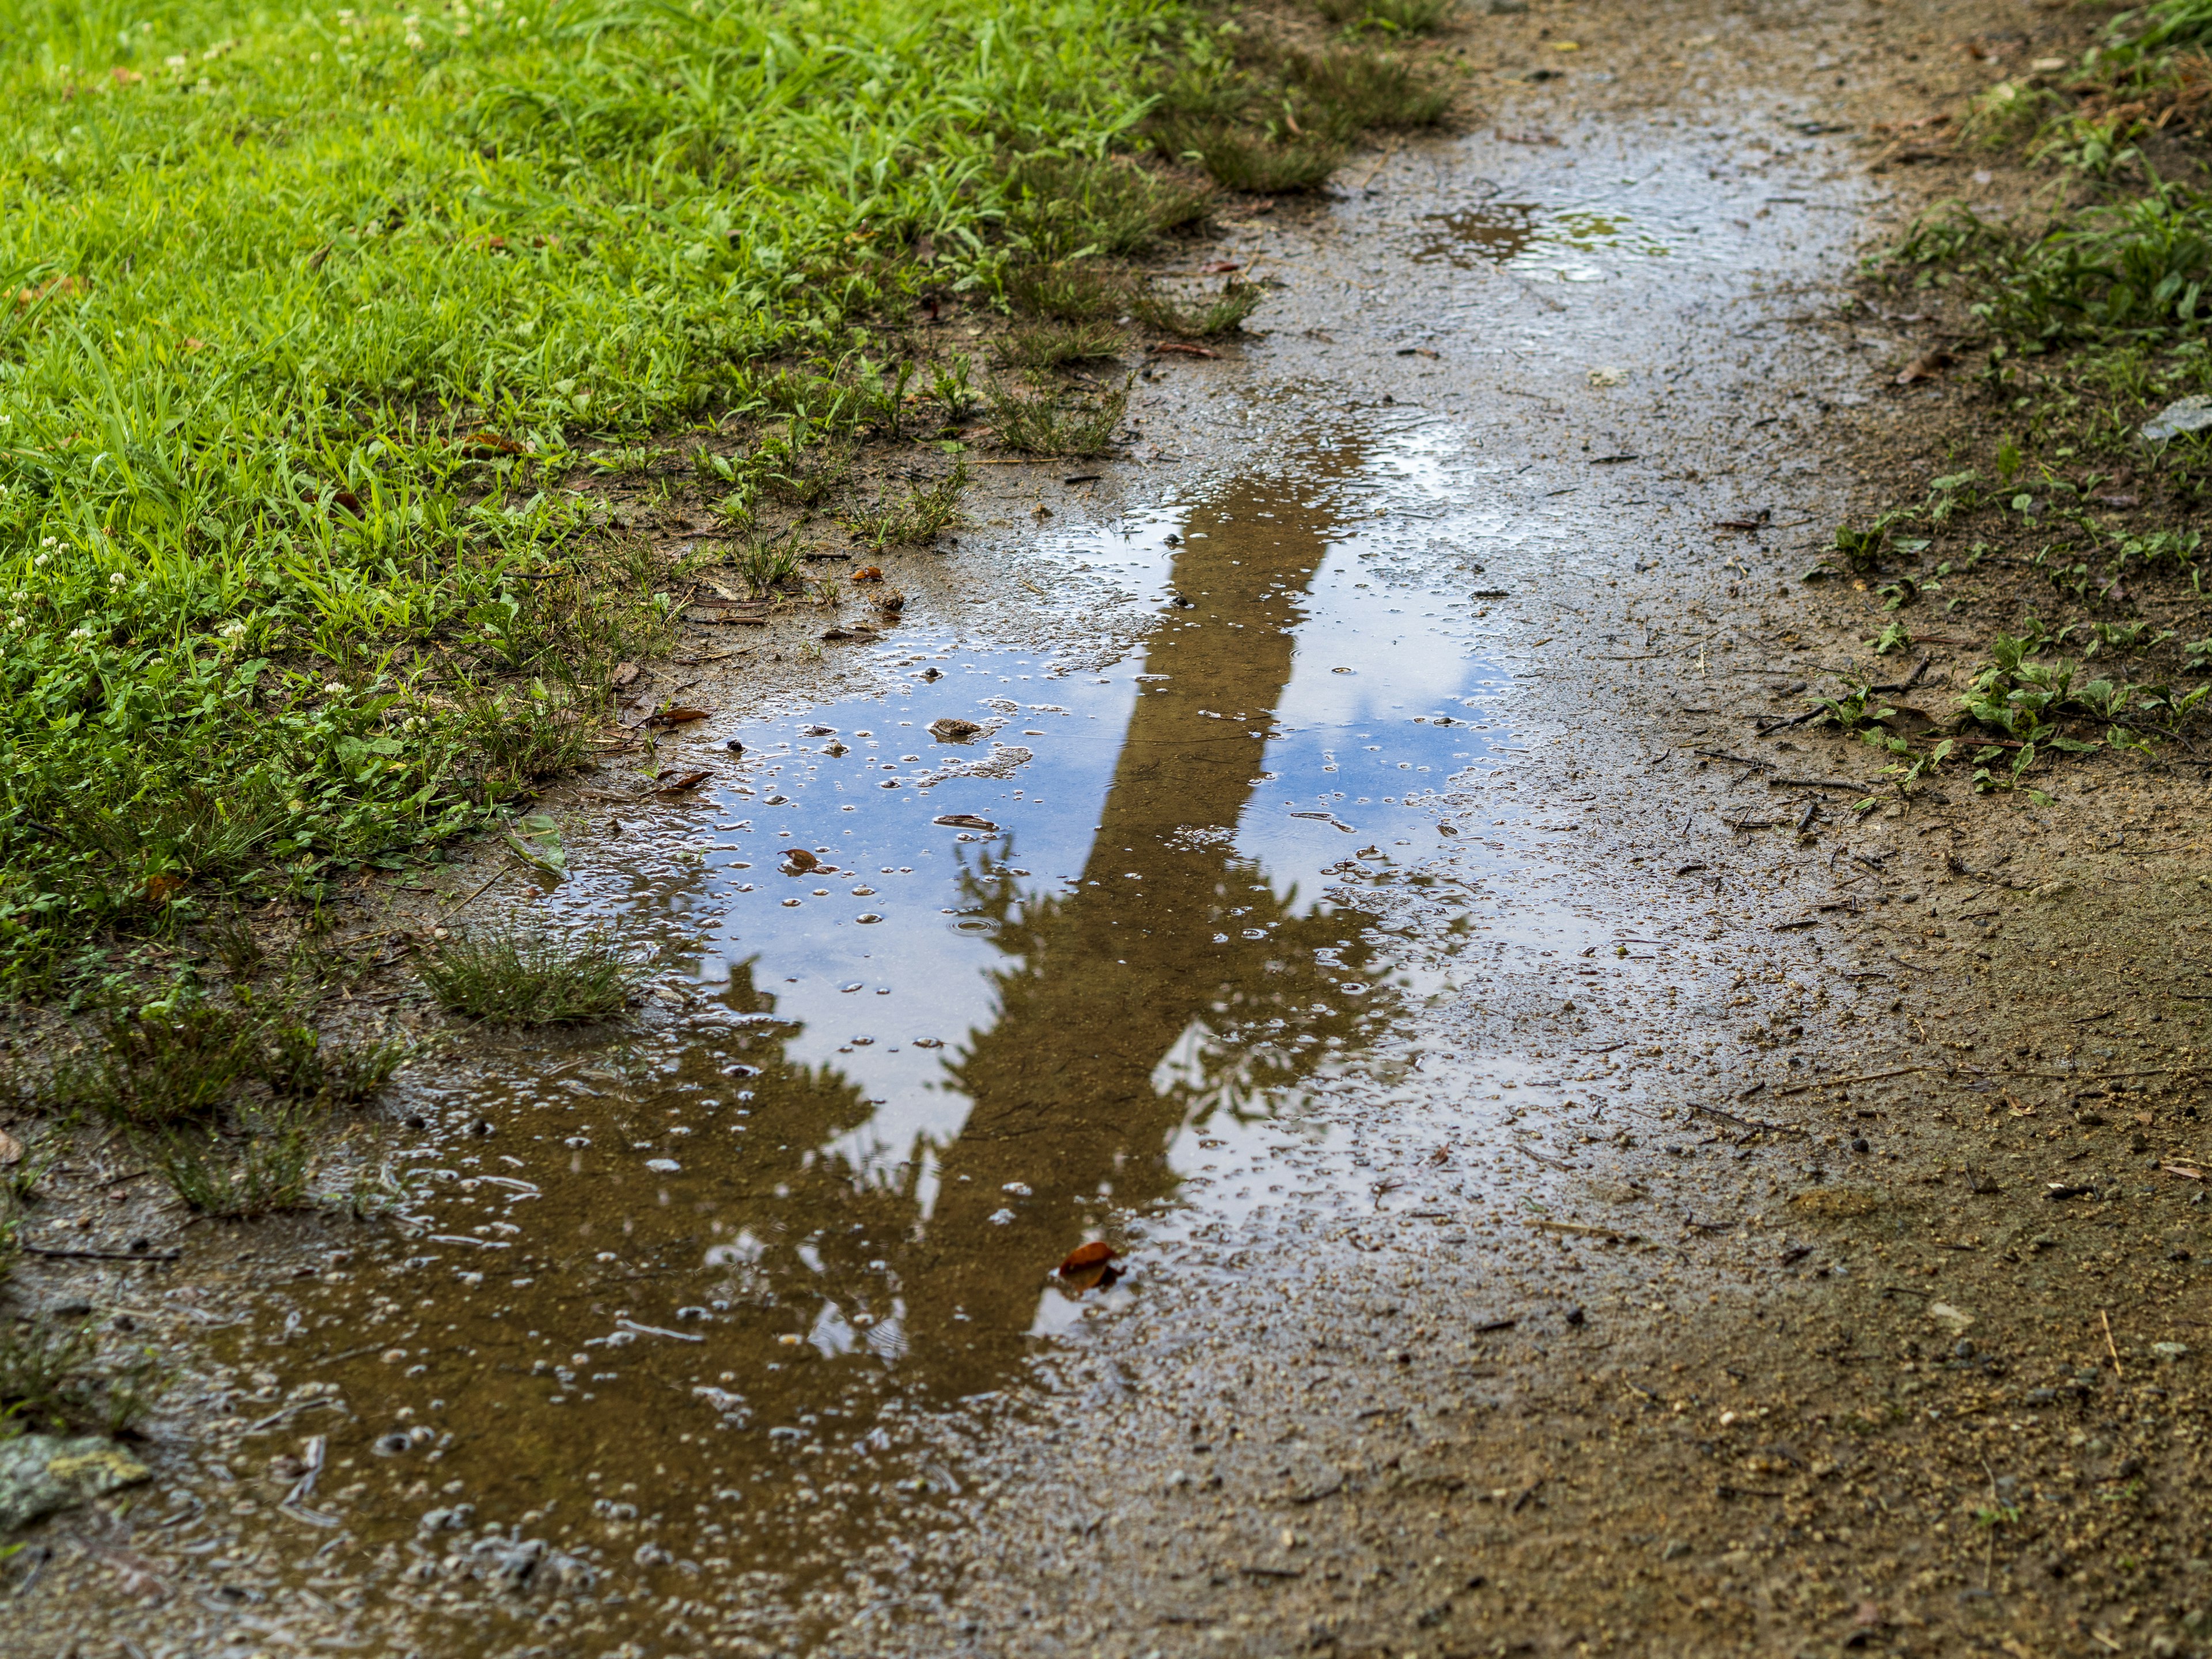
[[675, 716], [1219, 267], [1926, 367], [680, 781], [964, 821], [2185, 1171], [11, 1150], [162, 888], [624, 673], [1187, 350], [63, 288], [487, 443], [1089, 1266]]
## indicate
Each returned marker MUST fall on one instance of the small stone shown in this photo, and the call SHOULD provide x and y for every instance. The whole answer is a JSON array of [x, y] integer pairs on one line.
[[2183, 415], [42, 1473]]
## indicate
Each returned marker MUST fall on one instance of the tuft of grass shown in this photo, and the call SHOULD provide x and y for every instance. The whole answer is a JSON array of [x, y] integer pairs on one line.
[[1222, 313], [1351, 90], [1067, 206], [178, 1062], [510, 977], [1399, 16], [765, 566], [184, 1061], [1050, 345], [1250, 160], [1041, 426], [1072, 291], [53, 1374], [270, 1168], [916, 519]]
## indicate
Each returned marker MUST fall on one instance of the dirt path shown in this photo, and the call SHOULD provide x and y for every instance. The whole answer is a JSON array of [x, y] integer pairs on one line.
[[1577, 1186]]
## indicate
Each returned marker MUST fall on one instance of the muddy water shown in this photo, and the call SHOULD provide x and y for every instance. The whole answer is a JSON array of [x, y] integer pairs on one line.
[[1032, 974], [1250, 936]]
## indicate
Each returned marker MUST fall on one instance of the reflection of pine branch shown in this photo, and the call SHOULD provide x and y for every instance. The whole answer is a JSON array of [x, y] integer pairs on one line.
[[1262, 1011]]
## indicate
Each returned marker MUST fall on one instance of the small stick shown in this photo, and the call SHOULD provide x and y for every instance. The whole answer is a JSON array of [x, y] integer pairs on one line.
[[2109, 1348], [100, 1255], [504, 870], [1838, 1082]]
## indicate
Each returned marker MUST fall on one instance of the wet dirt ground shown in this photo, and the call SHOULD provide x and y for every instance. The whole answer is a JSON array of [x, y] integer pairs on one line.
[[1576, 1185]]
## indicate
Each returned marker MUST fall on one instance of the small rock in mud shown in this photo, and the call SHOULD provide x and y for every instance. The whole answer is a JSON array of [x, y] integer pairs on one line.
[[42, 1473], [953, 729], [2184, 415]]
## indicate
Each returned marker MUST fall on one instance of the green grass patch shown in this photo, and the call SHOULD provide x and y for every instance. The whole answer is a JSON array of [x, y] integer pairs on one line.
[[326, 337], [509, 977], [310, 321]]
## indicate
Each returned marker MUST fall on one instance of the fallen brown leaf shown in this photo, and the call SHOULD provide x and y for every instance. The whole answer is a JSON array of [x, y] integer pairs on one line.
[[676, 716], [624, 673], [1187, 350], [1087, 1256], [1219, 267], [11, 1150], [1925, 366], [670, 786], [1088, 1267]]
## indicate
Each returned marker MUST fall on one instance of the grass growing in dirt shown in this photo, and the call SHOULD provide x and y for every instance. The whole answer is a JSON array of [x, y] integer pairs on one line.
[[1047, 426], [310, 318], [509, 977], [2060, 537], [53, 1376], [185, 1059], [268, 1167], [323, 335]]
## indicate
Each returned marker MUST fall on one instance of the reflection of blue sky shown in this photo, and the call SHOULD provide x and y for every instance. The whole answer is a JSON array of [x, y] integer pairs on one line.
[[1349, 743]]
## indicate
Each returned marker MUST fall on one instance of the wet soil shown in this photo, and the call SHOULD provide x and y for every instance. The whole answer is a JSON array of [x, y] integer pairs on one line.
[[1575, 1185]]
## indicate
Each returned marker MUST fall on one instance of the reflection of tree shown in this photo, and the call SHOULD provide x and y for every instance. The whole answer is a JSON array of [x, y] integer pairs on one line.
[[1168, 983]]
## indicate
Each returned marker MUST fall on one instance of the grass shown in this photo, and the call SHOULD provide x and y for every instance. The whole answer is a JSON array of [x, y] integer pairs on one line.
[[52, 1375], [2055, 527], [327, 334], [186, 1059], [509, 977], [766, 566], [916, 520], [1045, 426], [1072, 291], [1053, 345], [1398, 16], [1223, 312], [327, 310], [270, 1168]]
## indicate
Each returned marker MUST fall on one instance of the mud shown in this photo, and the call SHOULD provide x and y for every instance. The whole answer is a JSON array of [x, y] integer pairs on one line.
[[1577, 1184]]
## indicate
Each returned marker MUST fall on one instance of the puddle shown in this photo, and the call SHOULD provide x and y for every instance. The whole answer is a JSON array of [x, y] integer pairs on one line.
[[1118, 935]]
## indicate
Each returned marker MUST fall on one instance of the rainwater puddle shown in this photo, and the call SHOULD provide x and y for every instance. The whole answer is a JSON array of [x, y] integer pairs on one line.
[[1036, 980]]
